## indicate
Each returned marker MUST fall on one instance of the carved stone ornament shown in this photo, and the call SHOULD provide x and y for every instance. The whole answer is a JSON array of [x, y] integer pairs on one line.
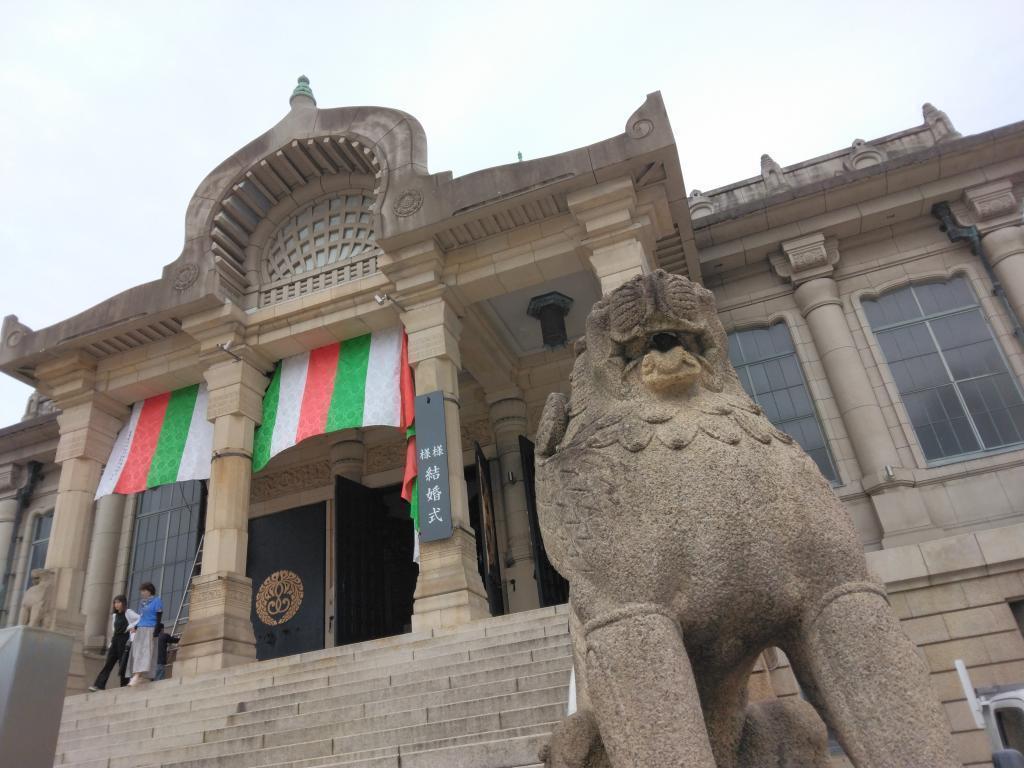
[[291, 480], [773, 175], [805, 258], [14, 337], [700, 204], [695, 535], [186, 276], [640, 129], [279, 598], [408, 203], [863, 155], [992, 201]]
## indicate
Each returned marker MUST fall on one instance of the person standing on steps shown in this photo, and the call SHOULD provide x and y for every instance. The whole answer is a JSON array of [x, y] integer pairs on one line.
[[163, 639], [122, 620], [142, 659]]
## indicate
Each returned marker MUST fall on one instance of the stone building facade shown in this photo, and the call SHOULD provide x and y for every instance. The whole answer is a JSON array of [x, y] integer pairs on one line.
[[874, 298]]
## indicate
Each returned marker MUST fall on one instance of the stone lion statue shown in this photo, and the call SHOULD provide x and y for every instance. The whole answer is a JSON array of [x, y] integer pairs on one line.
[[35, 604], [695, 535]]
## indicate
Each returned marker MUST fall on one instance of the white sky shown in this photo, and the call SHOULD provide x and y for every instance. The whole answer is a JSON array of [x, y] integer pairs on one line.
[[113, 112]]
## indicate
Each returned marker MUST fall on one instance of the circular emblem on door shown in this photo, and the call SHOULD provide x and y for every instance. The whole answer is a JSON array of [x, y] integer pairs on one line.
[[279, 598]]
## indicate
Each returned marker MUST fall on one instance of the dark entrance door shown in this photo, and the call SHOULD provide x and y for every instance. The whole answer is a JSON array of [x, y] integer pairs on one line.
[[552, 588], [487, 537], [376, 576], [287, 565]]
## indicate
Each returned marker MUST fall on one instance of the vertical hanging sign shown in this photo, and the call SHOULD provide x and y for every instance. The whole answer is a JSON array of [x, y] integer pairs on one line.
[[435, 505]]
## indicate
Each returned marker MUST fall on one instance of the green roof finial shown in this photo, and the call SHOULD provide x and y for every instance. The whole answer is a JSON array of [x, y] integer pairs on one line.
[[303, 89]]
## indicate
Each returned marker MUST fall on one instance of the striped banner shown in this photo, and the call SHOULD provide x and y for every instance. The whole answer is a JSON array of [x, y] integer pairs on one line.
[[167, 440], [359, 382]]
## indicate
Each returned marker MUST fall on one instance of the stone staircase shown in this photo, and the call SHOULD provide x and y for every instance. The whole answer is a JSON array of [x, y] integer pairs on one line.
[[483, 696]]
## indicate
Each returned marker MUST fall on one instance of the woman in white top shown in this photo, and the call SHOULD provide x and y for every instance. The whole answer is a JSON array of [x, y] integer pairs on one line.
[[122, 620]]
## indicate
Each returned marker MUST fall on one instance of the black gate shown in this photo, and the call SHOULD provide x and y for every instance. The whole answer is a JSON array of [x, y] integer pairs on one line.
[[287, 565], [552, 588], [488, 537], [376, 576]]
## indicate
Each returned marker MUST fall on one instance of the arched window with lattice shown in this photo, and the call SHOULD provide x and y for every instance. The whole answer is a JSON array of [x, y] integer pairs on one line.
[[329, 241]]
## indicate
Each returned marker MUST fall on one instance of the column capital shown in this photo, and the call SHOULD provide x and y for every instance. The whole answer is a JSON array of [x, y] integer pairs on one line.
[[89, 424], [614, 226], [68, 379], [434, 326], [992, 206], [806, 258], [414, 269], [223, 328], [12, 478], [507, 414], [236, 389]]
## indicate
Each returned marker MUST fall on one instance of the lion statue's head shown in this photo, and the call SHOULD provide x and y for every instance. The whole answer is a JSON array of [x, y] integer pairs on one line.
[[655, 337]]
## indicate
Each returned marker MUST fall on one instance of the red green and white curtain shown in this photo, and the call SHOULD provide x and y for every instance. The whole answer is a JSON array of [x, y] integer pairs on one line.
[[167, 440], [360, 382]]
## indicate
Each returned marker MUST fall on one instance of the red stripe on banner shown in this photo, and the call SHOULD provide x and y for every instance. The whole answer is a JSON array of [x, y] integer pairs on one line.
[[406, 386], [316, 398], [410, 468], [147, 435]]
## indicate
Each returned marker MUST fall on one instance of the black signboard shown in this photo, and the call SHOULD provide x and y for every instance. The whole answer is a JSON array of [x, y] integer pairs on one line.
[[435, 504], [287, 565]]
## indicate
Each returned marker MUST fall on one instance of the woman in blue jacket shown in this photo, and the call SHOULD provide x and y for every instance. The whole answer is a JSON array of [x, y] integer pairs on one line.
[[142, 661]]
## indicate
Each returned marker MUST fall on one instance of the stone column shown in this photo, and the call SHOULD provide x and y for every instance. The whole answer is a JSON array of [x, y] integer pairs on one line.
[[808, 261], [619, 239], [219, 632], [348, 455], [508, 422], [89, 423], [995, 211], [449, 590], [99, 574], [1005, 251], [11, 478]]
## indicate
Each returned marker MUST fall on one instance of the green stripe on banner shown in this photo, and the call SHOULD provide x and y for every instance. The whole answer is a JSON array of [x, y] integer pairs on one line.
[[265, 431], [350, 385], [414, 504], [173, 433]]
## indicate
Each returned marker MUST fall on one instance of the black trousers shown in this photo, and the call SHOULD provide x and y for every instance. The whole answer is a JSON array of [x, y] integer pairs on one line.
[[115, 656]]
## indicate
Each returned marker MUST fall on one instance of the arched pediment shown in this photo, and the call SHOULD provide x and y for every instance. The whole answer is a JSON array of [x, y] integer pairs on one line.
[[309, 154]]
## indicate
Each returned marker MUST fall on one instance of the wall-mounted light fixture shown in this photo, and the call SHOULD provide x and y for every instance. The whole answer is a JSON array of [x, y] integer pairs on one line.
[[550, 309], [384, 298]]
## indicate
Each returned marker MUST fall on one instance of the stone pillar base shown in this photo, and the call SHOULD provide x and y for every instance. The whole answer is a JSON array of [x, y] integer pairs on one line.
[[219, 630], [449, 591], [72, 624]]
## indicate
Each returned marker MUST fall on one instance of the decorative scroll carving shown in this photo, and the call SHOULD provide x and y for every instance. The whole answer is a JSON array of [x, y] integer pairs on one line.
[[291, 480]]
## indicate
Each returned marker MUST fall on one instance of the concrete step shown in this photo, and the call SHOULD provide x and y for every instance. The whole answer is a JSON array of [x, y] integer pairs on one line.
[[363, 652], [484, 696], [168, 693], [458, 674]]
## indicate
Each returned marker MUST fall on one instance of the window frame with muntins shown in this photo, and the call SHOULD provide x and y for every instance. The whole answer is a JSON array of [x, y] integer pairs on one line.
[[821, 455], [930, 327], [152, 557], [38, 546]]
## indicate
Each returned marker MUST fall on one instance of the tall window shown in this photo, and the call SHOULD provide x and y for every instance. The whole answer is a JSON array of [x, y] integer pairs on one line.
[[952, 378], [769, 370], [40, 543], [167, 527]]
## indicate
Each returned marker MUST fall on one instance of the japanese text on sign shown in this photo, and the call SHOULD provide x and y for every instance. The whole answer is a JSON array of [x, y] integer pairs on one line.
[[432, 468]]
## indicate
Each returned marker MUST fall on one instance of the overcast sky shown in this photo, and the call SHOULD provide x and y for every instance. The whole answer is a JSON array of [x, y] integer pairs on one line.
[[112, 112]]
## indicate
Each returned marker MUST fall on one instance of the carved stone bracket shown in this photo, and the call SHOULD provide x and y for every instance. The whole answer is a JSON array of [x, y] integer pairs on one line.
[[992, 205], [806, 258]]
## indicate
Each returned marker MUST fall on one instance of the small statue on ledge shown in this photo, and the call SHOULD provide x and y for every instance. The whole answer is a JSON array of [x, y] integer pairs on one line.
[[35, 604]]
